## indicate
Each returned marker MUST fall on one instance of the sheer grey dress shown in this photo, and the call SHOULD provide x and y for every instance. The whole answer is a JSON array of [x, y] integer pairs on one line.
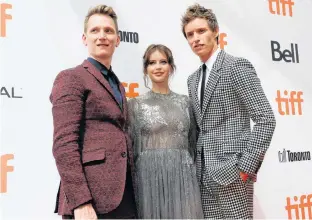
[[163, 134]]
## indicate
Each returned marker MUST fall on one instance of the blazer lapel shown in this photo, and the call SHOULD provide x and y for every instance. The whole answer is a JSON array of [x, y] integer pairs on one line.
[[124, 100], [212, 81], [194, 91], [98, 75]]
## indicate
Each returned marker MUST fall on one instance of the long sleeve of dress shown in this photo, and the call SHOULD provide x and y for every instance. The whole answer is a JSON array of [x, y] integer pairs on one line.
[[192, 131], [133, 126]]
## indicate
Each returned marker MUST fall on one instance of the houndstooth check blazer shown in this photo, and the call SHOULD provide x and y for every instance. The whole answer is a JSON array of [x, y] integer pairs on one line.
[[233, 95]]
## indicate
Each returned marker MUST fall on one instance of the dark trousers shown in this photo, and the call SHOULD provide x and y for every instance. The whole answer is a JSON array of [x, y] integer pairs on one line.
[[125, 210]]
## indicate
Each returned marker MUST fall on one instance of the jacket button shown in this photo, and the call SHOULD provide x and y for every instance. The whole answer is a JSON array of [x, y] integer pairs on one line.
[[123, 154]]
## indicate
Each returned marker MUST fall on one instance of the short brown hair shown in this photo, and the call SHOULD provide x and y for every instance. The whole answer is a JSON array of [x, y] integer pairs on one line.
[[198, 11], [103, 10], [148, 52]]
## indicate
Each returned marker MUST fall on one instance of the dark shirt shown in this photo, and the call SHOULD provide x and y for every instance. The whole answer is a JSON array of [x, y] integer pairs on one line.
[[110, 76]]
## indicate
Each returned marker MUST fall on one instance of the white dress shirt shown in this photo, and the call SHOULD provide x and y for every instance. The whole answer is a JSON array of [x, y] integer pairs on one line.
[[209, 63]]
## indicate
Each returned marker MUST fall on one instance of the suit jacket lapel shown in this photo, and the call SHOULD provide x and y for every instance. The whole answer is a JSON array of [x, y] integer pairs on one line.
[[98, 75], [194, 90], [212, 81], [124, 100]]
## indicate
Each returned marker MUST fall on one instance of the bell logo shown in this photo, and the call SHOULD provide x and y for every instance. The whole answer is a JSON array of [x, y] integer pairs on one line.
[[131, 93], [4, 16], [288, 56], [5, 168]]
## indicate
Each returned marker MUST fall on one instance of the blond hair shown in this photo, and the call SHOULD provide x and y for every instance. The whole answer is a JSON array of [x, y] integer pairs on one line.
[[103, 10]]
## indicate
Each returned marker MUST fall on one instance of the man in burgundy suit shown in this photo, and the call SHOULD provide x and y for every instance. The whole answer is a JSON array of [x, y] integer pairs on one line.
[[90, 145]]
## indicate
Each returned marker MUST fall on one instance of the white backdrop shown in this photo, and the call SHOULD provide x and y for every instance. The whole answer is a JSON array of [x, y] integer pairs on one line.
[[44, 37]]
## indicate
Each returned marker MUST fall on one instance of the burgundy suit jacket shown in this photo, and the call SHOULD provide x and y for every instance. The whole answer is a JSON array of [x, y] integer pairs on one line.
[[90, 142]]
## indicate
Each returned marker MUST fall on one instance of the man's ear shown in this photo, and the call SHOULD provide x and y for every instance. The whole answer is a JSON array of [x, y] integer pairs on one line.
[[118, 41], [84, 39], [217, 33]]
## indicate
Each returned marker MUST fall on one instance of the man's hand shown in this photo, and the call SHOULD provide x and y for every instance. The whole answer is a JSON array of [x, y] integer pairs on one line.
[[244, 176], [85, 212]]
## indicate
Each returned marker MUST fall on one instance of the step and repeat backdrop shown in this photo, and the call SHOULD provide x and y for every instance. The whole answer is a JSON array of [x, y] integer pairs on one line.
[[39, 38]]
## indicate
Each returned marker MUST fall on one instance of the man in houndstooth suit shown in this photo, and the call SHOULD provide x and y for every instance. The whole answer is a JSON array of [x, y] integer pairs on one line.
[[225, 93]]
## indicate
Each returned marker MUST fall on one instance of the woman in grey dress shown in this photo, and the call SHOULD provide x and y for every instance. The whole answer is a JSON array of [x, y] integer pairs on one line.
[[163, 134]]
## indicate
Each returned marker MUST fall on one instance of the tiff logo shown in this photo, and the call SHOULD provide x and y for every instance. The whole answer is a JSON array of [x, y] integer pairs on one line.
[[222, 40], [291, 100], [5, 168], [131, 93], [288, 56], [281, 3], [288, 156], [4, 16], [302, 206]]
